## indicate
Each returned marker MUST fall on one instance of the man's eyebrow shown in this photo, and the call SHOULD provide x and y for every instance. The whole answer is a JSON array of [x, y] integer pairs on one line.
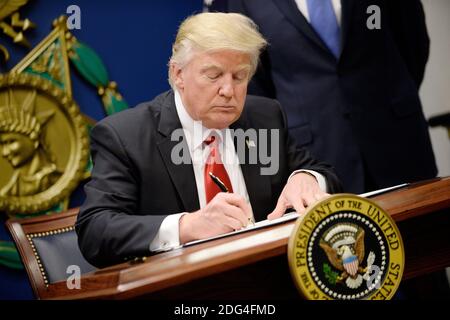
[[239, 68], [243, 67], [210, 66]]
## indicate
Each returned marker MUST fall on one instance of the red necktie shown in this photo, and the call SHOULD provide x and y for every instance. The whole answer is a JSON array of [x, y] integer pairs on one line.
[[215, 166]]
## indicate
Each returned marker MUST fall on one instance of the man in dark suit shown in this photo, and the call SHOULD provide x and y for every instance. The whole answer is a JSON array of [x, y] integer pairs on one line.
[[347, 74], [151, 188]]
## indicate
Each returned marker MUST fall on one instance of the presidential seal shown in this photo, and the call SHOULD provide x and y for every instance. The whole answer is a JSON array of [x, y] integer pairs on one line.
[[346, 247], [43, 143]]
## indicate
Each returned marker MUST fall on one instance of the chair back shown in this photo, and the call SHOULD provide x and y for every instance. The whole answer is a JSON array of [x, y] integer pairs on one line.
[[49, 249]]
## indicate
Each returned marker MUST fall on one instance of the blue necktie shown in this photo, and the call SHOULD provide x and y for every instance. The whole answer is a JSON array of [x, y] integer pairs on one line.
[[323, 20]]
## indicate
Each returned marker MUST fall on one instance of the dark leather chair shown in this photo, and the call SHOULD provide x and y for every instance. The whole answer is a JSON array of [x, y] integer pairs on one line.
[[48, 246]]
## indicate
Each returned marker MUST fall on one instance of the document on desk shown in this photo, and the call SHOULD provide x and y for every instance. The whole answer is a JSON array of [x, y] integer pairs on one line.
[[380, 191], [258, 225], [286, 217]]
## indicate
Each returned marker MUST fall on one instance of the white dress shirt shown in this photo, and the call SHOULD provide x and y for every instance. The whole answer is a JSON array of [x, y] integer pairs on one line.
[[303, 7], [195, 133]]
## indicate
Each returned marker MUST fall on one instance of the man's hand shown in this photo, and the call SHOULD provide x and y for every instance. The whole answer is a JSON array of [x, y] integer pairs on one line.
[[225, 213], [301, 191]]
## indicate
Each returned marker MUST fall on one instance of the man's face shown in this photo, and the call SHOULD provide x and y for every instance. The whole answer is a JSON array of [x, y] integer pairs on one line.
[[213, 86]]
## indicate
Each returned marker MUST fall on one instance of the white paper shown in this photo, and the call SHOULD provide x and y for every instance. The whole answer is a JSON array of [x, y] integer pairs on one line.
[[258, 225], [379, 191]]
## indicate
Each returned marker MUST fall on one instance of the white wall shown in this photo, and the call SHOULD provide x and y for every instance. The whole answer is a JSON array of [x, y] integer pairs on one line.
[[435, 89]]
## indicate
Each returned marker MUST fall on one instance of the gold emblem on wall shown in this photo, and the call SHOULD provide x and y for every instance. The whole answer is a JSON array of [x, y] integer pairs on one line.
[[16, 27], [43, 142]]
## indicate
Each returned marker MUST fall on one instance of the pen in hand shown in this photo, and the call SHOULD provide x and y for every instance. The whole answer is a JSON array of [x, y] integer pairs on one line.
[[224, 188], [218, 182]]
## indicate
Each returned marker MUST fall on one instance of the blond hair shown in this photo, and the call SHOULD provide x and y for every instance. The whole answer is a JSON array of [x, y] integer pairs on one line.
[[211, 31]]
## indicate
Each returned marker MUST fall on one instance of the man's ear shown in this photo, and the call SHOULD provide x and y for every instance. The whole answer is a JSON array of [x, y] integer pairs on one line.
[[177, 76]]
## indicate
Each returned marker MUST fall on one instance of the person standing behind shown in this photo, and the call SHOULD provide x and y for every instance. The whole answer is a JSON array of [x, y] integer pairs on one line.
[[347, 73]]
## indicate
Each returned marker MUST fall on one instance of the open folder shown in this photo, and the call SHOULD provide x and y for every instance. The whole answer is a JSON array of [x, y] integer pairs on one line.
[[287, 217]]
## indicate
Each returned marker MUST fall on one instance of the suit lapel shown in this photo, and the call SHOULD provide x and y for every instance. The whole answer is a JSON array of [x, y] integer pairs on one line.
[[258, 186], [347, 6], [294, 16], [182, 175]]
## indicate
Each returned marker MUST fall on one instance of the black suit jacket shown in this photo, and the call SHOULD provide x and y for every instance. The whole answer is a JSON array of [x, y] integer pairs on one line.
[[135, 184], [360, 113]]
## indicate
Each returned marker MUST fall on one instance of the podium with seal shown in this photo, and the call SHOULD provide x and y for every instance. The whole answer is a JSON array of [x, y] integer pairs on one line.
[[255, 264]]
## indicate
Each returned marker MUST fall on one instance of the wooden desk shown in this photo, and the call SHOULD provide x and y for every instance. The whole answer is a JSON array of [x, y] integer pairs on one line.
[[253, 265]]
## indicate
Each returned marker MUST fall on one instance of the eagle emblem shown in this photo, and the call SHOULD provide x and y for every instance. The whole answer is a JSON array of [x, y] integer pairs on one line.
[[344, 246], [339, 251]]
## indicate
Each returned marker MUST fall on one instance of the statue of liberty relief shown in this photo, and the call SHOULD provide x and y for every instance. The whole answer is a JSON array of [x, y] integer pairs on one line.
[[22, 144]]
